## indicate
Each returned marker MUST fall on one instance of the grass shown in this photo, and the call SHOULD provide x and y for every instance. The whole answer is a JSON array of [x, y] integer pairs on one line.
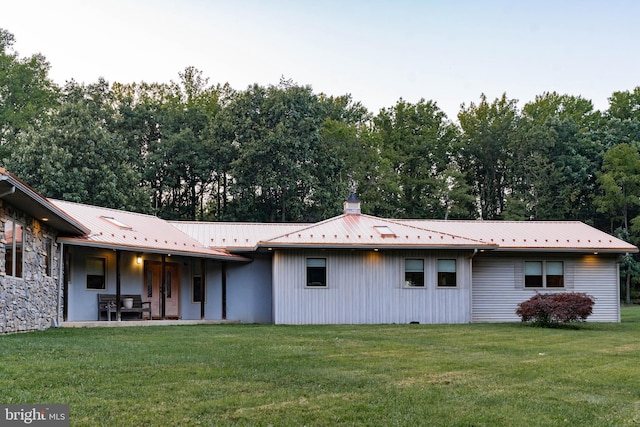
[[440, 375]]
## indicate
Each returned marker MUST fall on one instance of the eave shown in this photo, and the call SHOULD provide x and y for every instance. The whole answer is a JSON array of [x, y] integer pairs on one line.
[[213, 254], [20, 195]]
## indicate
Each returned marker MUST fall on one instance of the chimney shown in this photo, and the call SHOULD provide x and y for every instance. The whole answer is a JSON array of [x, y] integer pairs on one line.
[[352, 205]]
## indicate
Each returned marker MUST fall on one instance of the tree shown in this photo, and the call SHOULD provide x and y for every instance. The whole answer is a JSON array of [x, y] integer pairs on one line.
[[483, 153], [76, 156], [172, 127], [619, 182], [26, 92], [552, 158], [282, 171], [417, 140]]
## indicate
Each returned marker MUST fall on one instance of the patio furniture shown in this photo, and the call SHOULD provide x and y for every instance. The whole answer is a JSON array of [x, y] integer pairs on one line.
[[107, 305]]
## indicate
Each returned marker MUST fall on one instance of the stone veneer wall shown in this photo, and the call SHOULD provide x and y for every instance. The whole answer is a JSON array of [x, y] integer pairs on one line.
[[30, 302]]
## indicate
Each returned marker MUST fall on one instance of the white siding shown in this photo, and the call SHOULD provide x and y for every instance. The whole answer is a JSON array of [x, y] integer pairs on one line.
[[367, 287], [498, 287]]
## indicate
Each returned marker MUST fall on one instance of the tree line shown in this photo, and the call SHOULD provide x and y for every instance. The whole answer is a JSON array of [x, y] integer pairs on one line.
[[194, 150]]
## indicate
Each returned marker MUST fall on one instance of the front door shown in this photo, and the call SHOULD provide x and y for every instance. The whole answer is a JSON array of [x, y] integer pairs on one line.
[[153, 288]]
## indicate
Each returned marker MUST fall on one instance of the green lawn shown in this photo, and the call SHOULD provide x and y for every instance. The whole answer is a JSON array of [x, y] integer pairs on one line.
[[449, 375]]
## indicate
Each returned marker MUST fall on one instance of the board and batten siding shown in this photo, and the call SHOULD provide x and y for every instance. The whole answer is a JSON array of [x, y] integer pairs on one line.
[[367, 287], [498, 285]]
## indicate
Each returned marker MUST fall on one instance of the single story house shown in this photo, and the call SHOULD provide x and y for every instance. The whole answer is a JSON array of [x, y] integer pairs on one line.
[[350, 269], [356, 268]]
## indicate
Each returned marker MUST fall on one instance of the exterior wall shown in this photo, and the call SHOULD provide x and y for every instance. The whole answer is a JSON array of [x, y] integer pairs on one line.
[[83, 302], [498, 284], [248, 286], [249, 294], [30, 302], [368, 287], [248, 291]]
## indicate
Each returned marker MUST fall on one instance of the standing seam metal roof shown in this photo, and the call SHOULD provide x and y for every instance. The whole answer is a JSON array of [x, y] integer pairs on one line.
[[118, 229], [357, 230]]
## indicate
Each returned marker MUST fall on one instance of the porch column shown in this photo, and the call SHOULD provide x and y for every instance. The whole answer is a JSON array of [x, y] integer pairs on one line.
[[118, 314], [66, 268], [203, 286], [224, 290], [163, 288]]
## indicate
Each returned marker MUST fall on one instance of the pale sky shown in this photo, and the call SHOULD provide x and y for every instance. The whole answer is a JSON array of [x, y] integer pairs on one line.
[[377, 51]]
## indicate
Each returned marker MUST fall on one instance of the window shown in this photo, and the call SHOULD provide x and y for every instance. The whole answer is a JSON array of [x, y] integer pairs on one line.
[[117, 222], [149, 283], [48, 259], [197, 292], [168, 279], [384, 231], [96, 273], [414, 272], [13, 248], [447, 272], [317, 272], [541, 274], [533, 274]]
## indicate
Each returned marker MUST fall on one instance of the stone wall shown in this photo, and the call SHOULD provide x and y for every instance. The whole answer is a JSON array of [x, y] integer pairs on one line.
[[30, 302]]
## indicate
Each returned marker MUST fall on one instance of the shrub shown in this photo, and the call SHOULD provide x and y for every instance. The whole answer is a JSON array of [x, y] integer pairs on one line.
[[552, 309]]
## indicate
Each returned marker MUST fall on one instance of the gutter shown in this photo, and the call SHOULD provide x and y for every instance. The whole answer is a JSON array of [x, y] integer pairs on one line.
[[88, 243]]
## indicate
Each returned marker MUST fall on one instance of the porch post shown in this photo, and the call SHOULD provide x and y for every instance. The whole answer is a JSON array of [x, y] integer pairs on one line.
[[224, 290], [118, 314], [203, 278], [66, 268], [163, 287]]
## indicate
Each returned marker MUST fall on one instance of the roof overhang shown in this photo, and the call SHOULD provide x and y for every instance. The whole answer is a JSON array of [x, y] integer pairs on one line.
[[268, 245], [217, 254], [20, 195], [596, 251]]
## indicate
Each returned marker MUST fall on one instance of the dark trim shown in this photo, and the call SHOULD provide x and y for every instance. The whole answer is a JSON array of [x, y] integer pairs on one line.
[[118, 287], [203, 278], [163, 288], [224, 290]]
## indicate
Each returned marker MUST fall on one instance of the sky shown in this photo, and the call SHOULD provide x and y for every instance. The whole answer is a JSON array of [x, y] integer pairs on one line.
[[377, 51]]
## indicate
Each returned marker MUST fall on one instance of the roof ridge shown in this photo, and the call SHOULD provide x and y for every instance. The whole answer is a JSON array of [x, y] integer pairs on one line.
[[394, 221], [315, 224]]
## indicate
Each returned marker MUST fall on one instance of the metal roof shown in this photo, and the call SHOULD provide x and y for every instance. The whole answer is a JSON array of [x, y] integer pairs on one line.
[[573, 236], [116, 229], [234, 235], [20, 195], [365, 231]]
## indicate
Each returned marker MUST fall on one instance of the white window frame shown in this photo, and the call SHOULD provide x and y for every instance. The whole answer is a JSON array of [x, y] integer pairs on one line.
[[455, 264], [408, 284], [545, 274]]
